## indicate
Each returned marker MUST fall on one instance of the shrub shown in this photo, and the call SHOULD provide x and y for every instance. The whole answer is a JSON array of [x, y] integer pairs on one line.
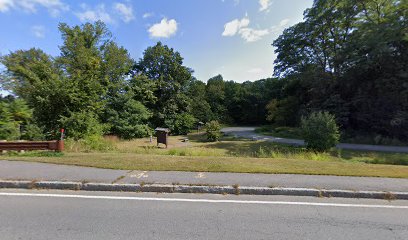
[[32, 132], [9, 131], [82, 124], [320, 131], [213, 130], [181, 124], [128, 118], [11, 116]]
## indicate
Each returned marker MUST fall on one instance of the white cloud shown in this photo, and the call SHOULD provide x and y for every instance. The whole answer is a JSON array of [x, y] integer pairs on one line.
[[284, 22], [125, 11], [95, 14], [54, 7], [253, 35], [38, 31], [164, 29], [231, 28], [147, 15], [6, 5], [277, 29], [265, 4], [240, 27]]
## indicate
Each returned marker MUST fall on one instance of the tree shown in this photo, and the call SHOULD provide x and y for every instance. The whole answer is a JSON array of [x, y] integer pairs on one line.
[[215, 92], [350, 58], [128, 117], [181, 124], [9, 129], [89, 74], [164, 67], [14, 114], [200, 108], [34, 76]]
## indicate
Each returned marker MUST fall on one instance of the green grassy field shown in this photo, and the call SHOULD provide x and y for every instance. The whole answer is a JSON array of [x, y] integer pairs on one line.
[[228, 155]]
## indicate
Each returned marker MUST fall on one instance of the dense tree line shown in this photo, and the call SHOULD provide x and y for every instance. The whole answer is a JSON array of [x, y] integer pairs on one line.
[[348, 57], [94, 87]]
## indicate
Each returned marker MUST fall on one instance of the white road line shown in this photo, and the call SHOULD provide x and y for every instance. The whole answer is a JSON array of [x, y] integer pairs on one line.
[[200, 175], [140, 175], [201, 200]]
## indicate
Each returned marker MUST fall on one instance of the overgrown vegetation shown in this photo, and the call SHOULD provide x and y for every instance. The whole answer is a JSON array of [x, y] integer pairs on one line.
[[320, 131], [213, 131]]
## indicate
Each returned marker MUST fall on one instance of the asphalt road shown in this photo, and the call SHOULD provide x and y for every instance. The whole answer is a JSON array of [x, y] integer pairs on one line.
[[89, 215], [249, 132]]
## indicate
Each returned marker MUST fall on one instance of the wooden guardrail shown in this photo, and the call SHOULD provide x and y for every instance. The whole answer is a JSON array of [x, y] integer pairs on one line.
[[57, 146]]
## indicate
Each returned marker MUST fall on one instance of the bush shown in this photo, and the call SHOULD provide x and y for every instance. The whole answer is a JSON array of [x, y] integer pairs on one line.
[[32, 132], [213, 130], [182, 124], [128, 118], [82, 124], [9, 131], [320, 131]]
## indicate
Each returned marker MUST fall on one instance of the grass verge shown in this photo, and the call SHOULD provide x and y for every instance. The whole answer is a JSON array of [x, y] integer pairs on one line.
[[150, 162]]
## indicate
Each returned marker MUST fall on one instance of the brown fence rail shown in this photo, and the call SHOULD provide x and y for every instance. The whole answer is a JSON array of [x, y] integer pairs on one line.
[[57, 146]]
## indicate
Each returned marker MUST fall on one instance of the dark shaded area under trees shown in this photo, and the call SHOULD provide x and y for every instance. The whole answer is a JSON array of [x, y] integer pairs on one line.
[[348, 57]]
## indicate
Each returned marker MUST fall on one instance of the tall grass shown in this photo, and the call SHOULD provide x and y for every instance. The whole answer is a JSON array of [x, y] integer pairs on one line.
[[93, 143], [291, 153]]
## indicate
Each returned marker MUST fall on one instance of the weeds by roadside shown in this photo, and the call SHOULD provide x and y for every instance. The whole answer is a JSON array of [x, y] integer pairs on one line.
[[34, 154]]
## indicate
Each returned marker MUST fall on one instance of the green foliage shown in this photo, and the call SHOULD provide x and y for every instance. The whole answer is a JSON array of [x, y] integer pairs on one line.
[[350, 58], [32, 132], [9, 131], [181, 124], [33, 76], [347, 57], [164, 67], [200, 108], [128, 117], [283, 112], [14, 113], [89, 72], [143, 89], [320, 131], [82, 124], [213, 131], [215, 93]]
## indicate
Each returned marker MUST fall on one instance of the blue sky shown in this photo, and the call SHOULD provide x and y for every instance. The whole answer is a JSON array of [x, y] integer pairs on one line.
[[228, 37]]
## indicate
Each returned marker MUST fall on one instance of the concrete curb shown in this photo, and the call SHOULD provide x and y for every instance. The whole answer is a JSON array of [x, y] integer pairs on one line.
[[167, 188]]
